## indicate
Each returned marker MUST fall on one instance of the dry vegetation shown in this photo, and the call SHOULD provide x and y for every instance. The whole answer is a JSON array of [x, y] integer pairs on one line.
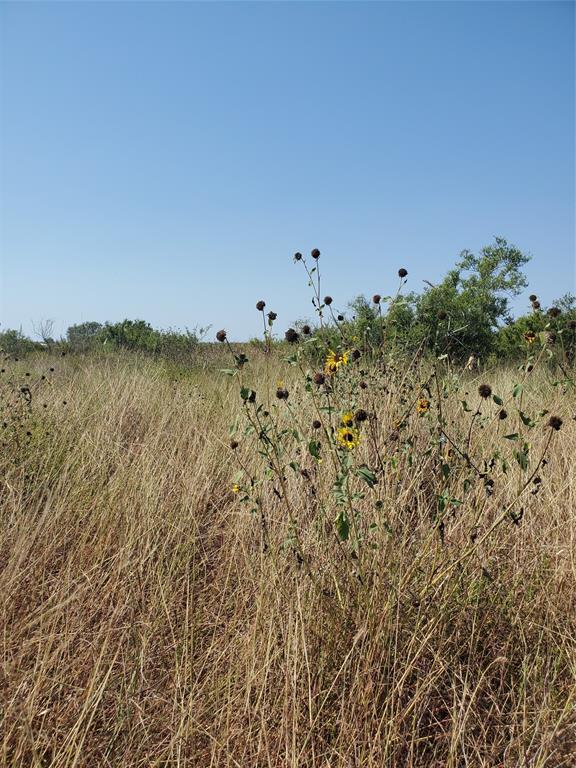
[[150, 618]]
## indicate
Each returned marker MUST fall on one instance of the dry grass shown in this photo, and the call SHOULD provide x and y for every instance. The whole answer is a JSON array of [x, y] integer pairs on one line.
[[144, 622]]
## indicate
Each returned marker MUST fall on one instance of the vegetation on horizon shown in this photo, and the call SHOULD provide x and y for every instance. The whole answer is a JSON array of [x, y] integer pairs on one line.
[[468, 312]]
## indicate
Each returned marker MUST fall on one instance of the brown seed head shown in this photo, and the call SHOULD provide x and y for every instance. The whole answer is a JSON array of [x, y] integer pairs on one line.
[[319, 378], [356, 354], [535, 305], [360, 415], [272, 316], [233, 444], [260, 305], [291, 336], [306, 330], [554, 311], [281, 393], [316, 424], [315, 253], [376, 298], [402, 273], [532, 297], [298, 256], [221, 335], [485, 390], [555, 422]]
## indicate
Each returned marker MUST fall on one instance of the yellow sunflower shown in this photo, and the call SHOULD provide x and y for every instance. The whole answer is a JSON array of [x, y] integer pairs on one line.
[[334, 361], [347, 419], [348, 437], [422, 406], [530, 337]]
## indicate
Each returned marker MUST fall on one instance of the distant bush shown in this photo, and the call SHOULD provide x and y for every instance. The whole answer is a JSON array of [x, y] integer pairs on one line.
[[16, 343]]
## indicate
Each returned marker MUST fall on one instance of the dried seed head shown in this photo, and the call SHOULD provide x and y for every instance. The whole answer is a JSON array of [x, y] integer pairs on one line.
[[555, 422], [356, 354], [291, 336], [281, 393], [485, 390], [442, 315], [502, 414], [233, 444], [260, 305], [532, 297], [572, 324], [315, 253], [535, 305], [316, 424], [272, 316], [252, 397], [328, 300], [363, 385], [402, 273], [360, 415], [340, 318], [554, 311], [319, 378], [376, 298], [221, 335], [306, 330], [297, 256]]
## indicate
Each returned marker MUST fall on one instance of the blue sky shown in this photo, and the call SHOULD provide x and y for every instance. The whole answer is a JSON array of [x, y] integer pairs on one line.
[[165, 160]]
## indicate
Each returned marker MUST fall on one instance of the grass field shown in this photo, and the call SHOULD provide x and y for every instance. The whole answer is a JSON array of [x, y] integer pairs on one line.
[[150, 616]]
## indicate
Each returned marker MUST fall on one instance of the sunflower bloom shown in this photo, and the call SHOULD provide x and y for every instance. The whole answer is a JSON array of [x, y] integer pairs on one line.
[[422, 406], [348, 437], [334, 361], [530, 337], [347, 419]]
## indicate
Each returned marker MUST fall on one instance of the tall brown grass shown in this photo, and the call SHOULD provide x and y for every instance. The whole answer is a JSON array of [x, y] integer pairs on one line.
[[145, 621]]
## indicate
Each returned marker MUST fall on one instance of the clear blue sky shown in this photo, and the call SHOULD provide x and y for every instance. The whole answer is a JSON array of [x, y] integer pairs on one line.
[[165, 160]]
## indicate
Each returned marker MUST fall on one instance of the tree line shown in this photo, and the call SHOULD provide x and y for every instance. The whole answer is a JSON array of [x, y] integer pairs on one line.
[[467, 313]]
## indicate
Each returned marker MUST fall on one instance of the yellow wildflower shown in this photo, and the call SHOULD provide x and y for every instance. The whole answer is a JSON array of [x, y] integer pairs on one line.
[[348, 419], [235, 488], [348, 437], [335, 360], [530, 337], [422, 406]]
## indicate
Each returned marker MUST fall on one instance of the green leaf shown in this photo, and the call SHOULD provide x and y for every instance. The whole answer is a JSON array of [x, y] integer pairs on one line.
[[245, 393], [526, 420], [522, 458], [343, 525], [497, 400], [314, 447], [517, 390], [367, 475], [513, 436], [229, 371]]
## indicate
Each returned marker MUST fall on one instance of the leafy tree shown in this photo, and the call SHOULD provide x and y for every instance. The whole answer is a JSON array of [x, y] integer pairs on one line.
[[460, 315], [82, 336], [14, 342]]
